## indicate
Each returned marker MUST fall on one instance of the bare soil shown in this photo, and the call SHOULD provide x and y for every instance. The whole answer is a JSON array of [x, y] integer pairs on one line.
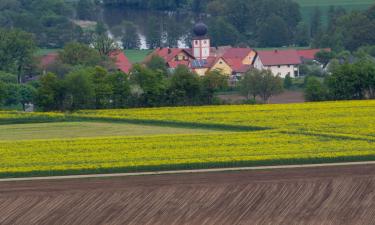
[[332, 195]]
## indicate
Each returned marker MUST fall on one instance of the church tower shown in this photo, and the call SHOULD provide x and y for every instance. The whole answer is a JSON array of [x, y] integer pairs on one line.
[[201, 43]]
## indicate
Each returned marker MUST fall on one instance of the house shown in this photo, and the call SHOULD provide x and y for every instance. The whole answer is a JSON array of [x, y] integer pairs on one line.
[[47, 60], [203, 66], [172, 56], [122, 62], [307, 55], [280, 62], [245, 56]]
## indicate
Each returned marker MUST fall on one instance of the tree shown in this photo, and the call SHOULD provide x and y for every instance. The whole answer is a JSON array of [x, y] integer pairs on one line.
[[315, 90], [75, 53], [302, 35], [8, 77], [223, 33], [104, 44], [212, 82], [184, 87], [157, 63], [12, 96], [151, 85], [2, 93], [269, 85], [27, 94], [86, 10], [324, 57], [316, 22], [17, 49], [346, 83], [153, 34], [100, 28], [249, 85], [80, 92], [101, 87], [274, 32], [120, 86], [49, 95], [128, 33], [288, 82]]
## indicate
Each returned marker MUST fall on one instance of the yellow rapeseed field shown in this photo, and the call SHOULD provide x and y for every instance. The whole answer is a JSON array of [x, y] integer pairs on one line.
[[254, 135]]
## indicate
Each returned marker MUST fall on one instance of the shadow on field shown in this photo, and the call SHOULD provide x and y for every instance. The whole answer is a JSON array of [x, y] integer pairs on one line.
[[208, 126]]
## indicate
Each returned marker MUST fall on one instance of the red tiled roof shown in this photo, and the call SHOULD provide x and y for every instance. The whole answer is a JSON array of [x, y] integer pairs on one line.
[[279, 57], [237, 65], [238, 53], [309, 54], [48, 59], [122, 62], [168, 54]]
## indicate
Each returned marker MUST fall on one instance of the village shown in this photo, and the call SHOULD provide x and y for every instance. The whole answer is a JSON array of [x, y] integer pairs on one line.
[[232, 62]]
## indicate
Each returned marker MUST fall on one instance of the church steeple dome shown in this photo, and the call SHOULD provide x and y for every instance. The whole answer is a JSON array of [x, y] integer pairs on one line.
[[200, 29]]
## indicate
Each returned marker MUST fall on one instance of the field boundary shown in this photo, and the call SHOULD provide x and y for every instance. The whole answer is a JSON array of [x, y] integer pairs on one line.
[[197, 171]]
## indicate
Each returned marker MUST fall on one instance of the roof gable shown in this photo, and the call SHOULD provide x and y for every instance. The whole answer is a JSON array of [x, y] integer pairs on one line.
[[237, 53], [168, 54], [121, 61]]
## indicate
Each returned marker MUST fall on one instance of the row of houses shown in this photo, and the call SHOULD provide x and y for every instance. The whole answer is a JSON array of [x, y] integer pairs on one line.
[[201, 58], [233, 62]]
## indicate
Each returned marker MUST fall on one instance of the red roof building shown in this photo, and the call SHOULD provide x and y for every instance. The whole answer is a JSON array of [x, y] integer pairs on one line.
[[309, 54], [172, 56], [280, 62], [279, 57], [121, 61], [48, 59]]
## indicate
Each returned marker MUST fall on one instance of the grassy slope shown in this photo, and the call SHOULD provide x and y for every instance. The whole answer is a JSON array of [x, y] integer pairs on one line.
[[137, 56], [66, 130]]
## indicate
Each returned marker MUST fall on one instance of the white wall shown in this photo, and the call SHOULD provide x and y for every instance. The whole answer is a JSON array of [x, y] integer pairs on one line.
[[282, 70], [201, 48]]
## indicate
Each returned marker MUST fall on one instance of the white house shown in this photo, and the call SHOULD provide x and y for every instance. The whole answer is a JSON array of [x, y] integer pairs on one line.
[[280, 62]]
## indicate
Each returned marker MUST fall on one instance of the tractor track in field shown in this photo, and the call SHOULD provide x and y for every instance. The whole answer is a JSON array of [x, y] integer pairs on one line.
[[310, 195]]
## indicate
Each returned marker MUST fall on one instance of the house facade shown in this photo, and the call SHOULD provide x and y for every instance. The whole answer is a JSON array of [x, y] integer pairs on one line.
[[279, 62]]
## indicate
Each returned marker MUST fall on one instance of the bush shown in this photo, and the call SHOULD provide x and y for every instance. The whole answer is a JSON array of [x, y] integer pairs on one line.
[[315, 90], [288, 82]]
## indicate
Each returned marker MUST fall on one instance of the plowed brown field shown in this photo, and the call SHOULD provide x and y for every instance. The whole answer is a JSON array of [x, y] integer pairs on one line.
[[338, 195]]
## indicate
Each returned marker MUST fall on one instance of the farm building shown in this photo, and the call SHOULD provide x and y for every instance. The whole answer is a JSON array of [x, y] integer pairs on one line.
[[122, 62], [280, 62]]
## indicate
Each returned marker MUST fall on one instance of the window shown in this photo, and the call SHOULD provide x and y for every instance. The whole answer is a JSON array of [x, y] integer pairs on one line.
[[278, 66], [288, 66], [196, 42]]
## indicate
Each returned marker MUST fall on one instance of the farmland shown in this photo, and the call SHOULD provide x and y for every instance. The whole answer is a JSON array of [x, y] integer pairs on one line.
[[334, 195], [186, 138]]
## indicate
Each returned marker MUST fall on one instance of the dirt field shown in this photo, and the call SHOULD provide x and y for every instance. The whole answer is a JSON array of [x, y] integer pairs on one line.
[[338, 195]]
